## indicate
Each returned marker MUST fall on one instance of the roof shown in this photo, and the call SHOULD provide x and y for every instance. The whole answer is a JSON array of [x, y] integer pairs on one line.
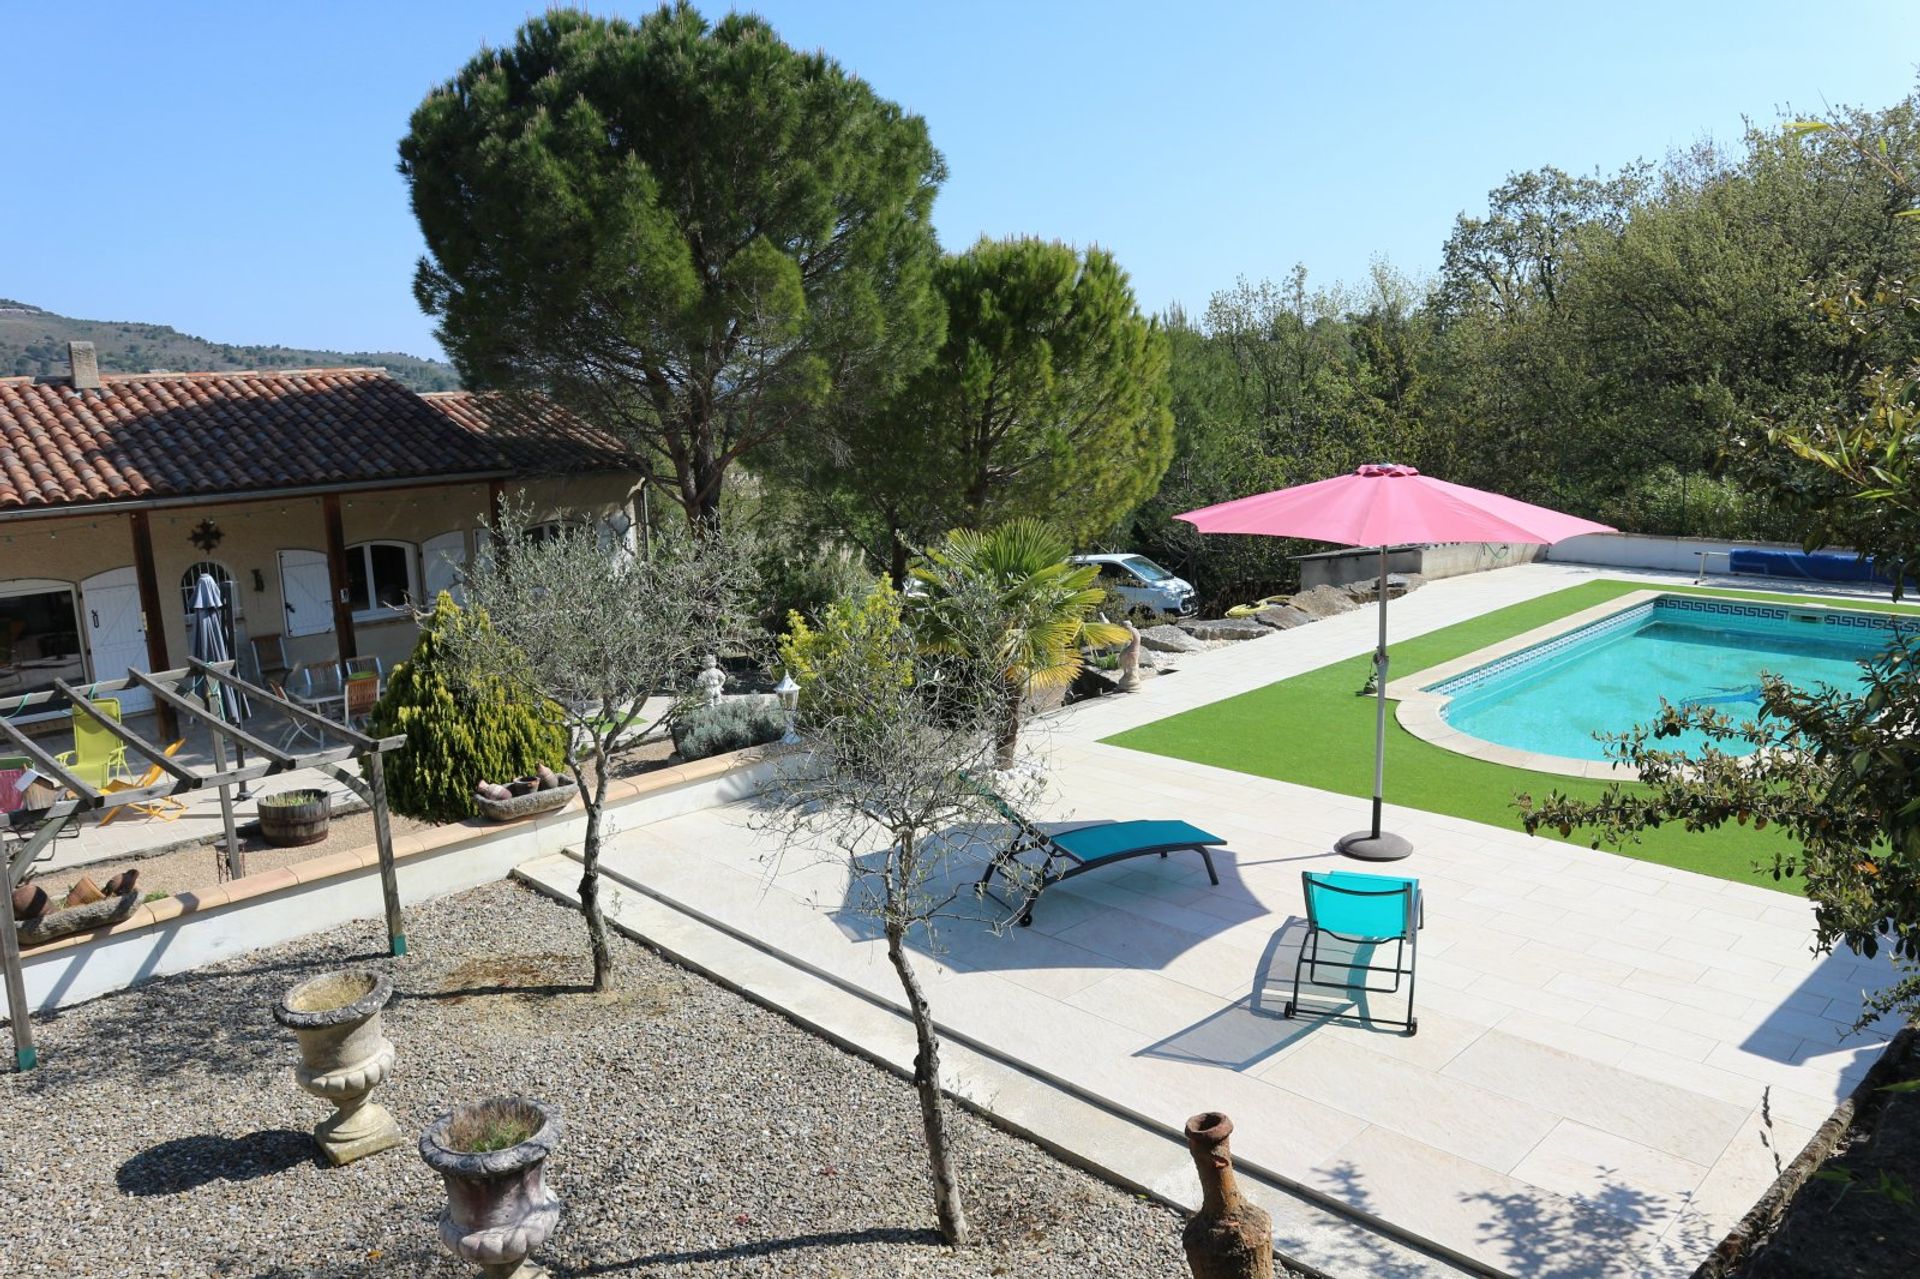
[[151, 436]]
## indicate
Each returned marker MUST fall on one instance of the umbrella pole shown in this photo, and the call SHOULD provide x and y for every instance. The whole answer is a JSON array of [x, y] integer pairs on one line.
[[1375, 845]]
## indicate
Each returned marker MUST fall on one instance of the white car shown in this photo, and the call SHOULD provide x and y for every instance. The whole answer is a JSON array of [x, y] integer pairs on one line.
[[1143, 584]]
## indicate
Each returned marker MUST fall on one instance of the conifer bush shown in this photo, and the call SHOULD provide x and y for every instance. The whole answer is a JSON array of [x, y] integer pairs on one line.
[[457, 735]]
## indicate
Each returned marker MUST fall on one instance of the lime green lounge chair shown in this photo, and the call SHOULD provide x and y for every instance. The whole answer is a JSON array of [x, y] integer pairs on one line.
[[97, 755], [1363, 911], [1075, 852]]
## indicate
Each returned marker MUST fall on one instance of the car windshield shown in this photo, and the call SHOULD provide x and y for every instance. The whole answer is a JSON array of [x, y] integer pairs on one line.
[[1146, 569]]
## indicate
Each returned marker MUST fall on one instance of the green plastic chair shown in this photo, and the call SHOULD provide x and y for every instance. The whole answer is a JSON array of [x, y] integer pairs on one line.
[[97, 755], [1364, 911]]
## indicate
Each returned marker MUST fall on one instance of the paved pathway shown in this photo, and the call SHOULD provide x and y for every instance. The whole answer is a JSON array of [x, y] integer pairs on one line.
[[1612, 1056]]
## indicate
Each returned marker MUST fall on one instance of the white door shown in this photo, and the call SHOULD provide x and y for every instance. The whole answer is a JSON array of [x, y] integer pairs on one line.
[[116, 633], [306, 593], [442, 560]]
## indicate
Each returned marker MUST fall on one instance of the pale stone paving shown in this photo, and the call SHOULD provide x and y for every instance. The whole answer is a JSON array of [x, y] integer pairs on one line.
[[1612, 1053]]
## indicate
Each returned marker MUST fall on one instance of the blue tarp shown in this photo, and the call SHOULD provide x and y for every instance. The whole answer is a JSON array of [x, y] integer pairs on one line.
[[1811, 566]]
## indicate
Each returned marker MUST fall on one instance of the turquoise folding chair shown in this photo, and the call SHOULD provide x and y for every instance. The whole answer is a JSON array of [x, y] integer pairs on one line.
[[1363, 911]]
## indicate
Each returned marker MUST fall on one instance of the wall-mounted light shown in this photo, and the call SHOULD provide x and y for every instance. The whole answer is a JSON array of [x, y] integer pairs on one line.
[[259, 580]]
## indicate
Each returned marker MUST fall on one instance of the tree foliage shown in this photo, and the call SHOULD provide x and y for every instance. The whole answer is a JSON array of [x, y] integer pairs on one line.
[[1012, 590], [898, 735], [1048, 395], [459, 733], [606, 643], [690, 232]]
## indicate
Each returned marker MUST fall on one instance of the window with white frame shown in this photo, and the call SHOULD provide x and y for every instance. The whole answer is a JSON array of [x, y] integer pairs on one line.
[[381, 577]]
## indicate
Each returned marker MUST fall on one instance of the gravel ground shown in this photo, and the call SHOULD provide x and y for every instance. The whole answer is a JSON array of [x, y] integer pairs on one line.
[[163, 1134]]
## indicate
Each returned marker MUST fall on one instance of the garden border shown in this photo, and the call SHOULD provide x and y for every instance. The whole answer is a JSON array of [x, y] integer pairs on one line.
[[191, 929]]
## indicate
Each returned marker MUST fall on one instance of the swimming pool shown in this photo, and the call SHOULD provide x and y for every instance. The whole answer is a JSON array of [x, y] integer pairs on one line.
[[1553, 697]]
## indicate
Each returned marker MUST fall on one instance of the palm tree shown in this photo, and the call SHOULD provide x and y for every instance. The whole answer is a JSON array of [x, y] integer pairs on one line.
[[1037, 608]]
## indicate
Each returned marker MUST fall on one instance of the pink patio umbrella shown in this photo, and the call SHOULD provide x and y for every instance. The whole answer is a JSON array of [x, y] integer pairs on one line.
[[1383, 504]]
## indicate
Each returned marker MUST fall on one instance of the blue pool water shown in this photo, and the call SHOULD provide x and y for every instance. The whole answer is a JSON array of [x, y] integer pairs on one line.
[[1611, 675]]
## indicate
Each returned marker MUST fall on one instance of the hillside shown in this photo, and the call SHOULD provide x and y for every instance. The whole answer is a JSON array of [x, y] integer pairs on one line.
[[33, 343]]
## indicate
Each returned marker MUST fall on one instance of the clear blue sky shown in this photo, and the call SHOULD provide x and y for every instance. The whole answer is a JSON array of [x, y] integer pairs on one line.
[[229, 168]]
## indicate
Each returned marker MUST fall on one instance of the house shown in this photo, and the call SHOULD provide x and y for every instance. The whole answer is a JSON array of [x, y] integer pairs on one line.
[[326, 502]]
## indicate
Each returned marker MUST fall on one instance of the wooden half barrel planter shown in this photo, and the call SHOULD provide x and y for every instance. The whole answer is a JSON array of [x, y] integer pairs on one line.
[[293, 818]]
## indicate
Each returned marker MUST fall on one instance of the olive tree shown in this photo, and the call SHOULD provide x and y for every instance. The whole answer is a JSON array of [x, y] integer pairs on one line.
[[899, 743], [607, 643], [689, 233]]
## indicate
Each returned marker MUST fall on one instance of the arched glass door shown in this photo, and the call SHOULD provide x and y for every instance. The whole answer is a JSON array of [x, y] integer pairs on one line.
[[229, 596]]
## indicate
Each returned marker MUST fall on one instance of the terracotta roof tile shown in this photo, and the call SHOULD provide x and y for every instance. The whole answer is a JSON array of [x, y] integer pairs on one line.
[[165, 435]]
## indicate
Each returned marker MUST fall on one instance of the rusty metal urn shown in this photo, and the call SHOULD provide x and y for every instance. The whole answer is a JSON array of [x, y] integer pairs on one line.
[[344, 1056], [498, 1206], [1229, 1238]]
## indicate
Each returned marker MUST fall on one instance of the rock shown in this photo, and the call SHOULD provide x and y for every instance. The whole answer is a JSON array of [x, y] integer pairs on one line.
[[1398, 584], [1226, 628], [124, 882], [30, 901], [1324, 601], [1283, 617], [84, 892], [1169, 639]]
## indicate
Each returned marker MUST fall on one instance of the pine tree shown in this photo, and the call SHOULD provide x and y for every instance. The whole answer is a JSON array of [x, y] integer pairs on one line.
[[456, 738]]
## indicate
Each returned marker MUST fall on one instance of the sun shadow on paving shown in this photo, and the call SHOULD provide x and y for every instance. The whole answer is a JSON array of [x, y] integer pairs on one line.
[[188, 1163], [758, 1248], [1133, 914], [1548, 1236], [1248, 1031]]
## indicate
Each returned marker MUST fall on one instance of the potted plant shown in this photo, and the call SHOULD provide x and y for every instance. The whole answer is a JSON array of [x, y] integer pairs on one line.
[[493, 1157], [294, 817], [344, 1056]]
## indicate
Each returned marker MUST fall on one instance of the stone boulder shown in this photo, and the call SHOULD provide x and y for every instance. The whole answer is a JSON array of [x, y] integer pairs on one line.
[[1169, 639], [1324, 601], [1398, 584], [1283, 617], [1226, 628]]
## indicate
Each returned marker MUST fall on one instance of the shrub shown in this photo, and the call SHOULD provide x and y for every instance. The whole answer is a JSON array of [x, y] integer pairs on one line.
[[733, 725], [456, 736]]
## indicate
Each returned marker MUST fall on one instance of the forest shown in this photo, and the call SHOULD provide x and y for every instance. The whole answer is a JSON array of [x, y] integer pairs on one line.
[[1614, 345]]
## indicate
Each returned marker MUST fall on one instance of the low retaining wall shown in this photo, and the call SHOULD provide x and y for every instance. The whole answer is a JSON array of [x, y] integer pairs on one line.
[[190, 930], [1645, 550], [1444, 559]]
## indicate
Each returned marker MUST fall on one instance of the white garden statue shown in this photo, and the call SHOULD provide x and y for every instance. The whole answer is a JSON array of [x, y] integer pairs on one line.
[[710, 681]]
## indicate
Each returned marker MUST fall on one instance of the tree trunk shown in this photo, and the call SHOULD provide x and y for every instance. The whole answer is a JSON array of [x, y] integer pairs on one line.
[[897, 570], [926, 1082], [596, 802], [1006, 744]]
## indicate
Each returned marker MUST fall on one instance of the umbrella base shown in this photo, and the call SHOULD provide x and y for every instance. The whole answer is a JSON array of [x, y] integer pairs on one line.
[[1369, 847]]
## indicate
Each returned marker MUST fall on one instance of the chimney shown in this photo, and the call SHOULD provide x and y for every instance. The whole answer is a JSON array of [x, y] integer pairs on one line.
[[85, 366]]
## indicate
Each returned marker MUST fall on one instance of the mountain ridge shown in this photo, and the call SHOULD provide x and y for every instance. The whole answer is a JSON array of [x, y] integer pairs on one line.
[[33, 343]]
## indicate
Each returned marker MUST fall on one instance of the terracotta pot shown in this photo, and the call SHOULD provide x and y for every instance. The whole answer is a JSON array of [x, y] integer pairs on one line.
[[344, 1057], [1229, 1238], [498, 1206]]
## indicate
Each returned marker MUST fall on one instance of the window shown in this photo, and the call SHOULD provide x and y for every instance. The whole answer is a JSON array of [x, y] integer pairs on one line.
[[229, 597], [39, 636], [380, 578], [1147, 570]]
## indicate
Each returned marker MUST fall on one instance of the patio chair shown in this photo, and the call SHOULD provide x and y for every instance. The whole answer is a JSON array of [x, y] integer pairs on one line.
[[164, 808], [1366, 912], [97, 755], [269, 657], [1075, 852], [365, 664], [362, 691]]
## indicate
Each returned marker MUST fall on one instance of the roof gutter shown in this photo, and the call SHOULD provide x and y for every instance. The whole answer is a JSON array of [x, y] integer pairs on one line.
[[85, 510]]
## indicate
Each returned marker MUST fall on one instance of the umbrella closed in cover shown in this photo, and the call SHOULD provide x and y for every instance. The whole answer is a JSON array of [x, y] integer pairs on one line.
[[1383, 504]]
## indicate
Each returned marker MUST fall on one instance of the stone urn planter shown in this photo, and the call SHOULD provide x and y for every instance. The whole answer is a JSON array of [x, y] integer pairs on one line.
[[344, 1057], [493, 1157], [1229, 1238]]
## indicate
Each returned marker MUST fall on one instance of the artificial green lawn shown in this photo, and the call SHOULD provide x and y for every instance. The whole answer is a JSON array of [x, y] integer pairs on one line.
[[1313, 731]]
